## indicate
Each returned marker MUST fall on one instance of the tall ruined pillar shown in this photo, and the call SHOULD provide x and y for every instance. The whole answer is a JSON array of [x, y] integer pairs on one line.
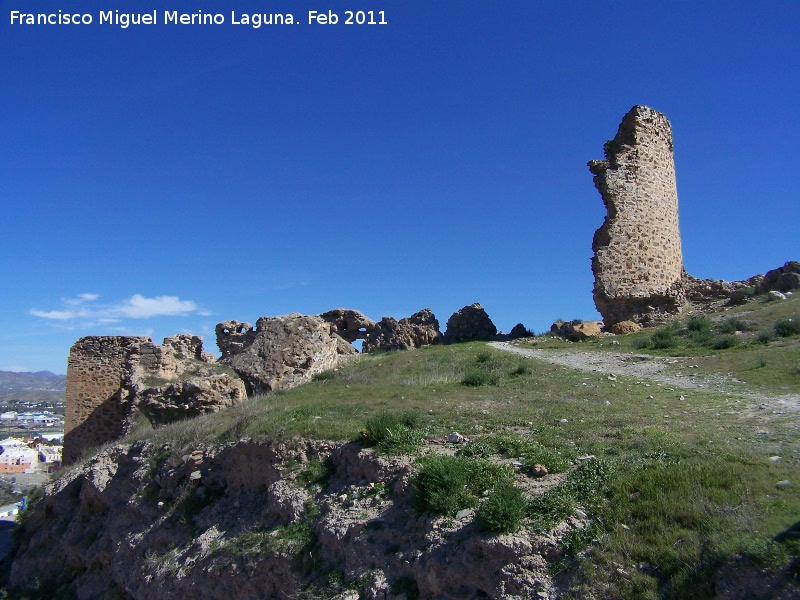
[[638, 264], [94, 403]]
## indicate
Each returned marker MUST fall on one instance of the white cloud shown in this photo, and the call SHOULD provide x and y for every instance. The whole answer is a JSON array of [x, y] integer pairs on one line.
[[14, 369], [58, 315], [137, 306]]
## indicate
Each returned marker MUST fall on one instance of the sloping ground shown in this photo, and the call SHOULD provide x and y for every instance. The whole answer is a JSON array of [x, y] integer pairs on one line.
[[698, 495]]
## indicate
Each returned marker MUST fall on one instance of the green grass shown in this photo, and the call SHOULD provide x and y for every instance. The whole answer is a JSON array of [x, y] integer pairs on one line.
[[394, 433], [447, 484], [514, 446]]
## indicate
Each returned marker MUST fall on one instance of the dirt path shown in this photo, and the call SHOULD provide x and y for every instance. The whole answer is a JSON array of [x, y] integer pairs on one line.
[[643, 366]]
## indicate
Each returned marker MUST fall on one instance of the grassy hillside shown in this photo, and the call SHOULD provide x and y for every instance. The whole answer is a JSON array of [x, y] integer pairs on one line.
[[692, 480]]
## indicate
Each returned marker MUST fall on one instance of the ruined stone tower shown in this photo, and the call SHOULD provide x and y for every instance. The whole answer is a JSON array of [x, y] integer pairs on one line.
[[95, 401], [638, 264]]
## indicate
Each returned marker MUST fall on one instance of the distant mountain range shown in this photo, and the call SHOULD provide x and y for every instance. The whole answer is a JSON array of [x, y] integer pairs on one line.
[[41, 380]]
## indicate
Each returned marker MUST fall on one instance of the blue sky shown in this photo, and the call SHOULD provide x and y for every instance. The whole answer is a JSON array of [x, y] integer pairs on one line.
[[160, 179]]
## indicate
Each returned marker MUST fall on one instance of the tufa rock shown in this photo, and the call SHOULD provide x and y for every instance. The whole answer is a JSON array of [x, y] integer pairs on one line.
[[203, 392], [234, 337], [350, 325], [280, 352], [469, 323], [578, 330], [418, 330], [625, 327]]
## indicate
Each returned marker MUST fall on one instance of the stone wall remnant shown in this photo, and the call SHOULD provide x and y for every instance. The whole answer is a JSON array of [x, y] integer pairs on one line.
[[108, 376], [96, 404], [469, 323], [638, 261], [418, 330]]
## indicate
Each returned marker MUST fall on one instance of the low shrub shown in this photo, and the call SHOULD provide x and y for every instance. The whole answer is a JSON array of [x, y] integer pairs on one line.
[[317, 472], [723, 342], [732, 325], [663, 339], [522, 369], [585, 485], [446, 484], [322, 376], [504, 510], [477, 377], [766, 336], [484, 357], [698, 323], [511, 445], [786, 327], [394, 433], [701, 336]]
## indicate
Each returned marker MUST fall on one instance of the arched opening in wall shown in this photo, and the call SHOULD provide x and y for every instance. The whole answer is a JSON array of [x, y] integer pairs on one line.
[[358, 345]]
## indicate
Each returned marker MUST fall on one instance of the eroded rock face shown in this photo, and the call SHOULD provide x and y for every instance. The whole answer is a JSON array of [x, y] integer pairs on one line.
[[350, 325], [469, 323], [418, 330], [202, 392], [141, 522], [638, 262], [280, 352]]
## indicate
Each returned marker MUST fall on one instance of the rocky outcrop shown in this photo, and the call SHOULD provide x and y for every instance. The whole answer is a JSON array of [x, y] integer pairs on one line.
[[624, 327], [109, 376], [236, 521], [577, 329], [638, 263], [519, 331], [280, 352], [782, 279], [469, 323], [418, 330], [350, 325]]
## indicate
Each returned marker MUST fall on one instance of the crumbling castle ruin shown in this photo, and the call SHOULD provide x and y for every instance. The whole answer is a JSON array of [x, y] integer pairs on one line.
[[111, 378], [638, 264]]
